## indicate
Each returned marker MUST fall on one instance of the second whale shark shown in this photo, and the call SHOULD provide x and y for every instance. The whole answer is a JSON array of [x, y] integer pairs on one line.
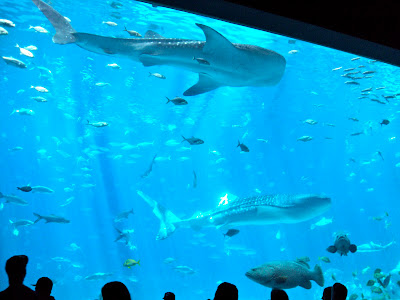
[[259, 210], [229, 64]]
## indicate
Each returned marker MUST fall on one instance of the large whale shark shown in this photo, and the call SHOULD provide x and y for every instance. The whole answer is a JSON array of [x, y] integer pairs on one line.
[[259, 210], [229, 64]]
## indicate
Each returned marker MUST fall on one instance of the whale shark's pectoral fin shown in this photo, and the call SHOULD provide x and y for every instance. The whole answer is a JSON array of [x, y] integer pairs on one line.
[[149, 60], [205, 84]]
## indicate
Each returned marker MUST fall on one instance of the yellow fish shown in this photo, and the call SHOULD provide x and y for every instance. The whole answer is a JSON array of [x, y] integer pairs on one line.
[[131, 262]]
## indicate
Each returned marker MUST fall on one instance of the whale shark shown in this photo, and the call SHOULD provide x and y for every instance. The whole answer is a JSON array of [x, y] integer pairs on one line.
[[228, 64], [258, 210]]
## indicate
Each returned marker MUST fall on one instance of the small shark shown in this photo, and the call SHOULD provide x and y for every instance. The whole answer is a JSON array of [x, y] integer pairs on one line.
[[230, 64], [259, 210]]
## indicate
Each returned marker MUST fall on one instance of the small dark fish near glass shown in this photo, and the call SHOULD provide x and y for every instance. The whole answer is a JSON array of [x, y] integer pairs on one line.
[[177, 101], [193, 140], [231, 232], [25, 188], [385, 122], [201, 61], [356, 133], [243, 147]]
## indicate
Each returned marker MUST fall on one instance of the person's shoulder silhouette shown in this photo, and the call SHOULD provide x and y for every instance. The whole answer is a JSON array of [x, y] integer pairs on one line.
[[115, 290], [43, 288], [16, 272], [226, 291], [279, 295]]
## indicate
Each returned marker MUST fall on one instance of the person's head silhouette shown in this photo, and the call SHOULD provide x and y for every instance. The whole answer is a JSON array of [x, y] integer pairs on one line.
[[279, 295], [339, 292], [169, 296], [115, 290], [44, 286], [226, 291], [327, 293], [16, 269]]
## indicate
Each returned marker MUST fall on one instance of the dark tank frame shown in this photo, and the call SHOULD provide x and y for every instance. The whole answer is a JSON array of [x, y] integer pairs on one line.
[[368, 30]]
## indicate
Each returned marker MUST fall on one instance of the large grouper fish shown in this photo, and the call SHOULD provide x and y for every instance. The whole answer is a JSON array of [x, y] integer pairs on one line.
[[259, 210], [229, 64], [286, 275]]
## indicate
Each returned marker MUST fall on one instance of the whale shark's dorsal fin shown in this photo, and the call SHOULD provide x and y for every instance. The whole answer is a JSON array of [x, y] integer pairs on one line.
[[215, 42], [150, 34], [205, 84]]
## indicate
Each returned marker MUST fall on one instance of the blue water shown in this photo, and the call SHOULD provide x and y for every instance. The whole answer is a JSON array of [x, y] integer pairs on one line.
[[89, 164]]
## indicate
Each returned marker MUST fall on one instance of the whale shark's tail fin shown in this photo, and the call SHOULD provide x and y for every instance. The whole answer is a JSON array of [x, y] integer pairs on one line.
[[168, 221], [64, 30]]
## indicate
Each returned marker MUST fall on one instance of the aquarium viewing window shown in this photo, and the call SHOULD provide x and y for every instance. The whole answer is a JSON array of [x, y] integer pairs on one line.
[[173, 151]]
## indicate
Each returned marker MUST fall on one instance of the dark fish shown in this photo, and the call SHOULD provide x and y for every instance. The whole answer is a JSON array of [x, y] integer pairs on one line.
[[231, 232], [386, 281], [379, 101], [352, 160], [243, 147], [380, 154], [132, 32], [201, 61], [177, 101], [25, 188], [148, 171], [292, 42], [116, 5], [370, 282], [389, 96], [194, 179], [352, 82], [342, 245], [356, 133], [349, 69], [193, 140], [368, 72], [354, 119], [385, 122]]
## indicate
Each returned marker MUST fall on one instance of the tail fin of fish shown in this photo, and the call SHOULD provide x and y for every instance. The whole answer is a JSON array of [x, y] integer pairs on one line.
[[318, 275], [167, 219], [39, 217], [238, 144], [64, 30], [168, 100], [184, 139]]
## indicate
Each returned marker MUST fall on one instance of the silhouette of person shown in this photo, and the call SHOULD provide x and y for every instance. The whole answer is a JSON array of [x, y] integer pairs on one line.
[[43, 288], [279, 295], [169, 296], [115, 290], [339, 292], [327, 293], [226, 291], [16, 272]]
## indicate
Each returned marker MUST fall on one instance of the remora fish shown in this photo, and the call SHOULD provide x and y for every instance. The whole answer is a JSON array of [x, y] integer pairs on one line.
[[260, 210], [232, 64]]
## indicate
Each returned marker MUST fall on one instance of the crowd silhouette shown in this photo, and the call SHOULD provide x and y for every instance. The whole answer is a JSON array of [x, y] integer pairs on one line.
[[116, 290]]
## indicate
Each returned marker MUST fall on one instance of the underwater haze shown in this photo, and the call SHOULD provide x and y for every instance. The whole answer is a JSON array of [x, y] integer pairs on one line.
[[117, 183]]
